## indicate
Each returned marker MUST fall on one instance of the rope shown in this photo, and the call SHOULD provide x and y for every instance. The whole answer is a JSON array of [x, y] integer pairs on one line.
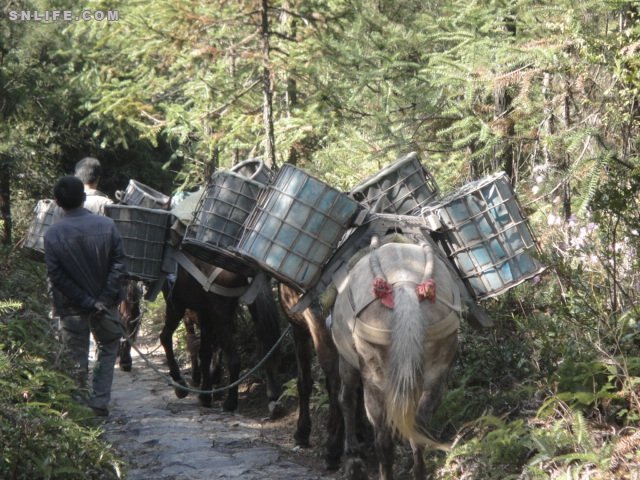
[[172, 383]]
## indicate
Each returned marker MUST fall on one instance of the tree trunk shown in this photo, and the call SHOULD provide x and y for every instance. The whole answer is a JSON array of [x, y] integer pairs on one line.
[[566, 161], [504, 155], [5, 202], [502, 104], [232, 73], [267, 111], [213, 164], [289, 25], [549, 124]]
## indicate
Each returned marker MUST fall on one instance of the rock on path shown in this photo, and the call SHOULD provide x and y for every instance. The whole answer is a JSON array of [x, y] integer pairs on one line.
[[166, 438]]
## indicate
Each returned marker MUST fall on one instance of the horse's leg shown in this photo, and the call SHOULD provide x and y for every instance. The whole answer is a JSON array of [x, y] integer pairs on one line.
[[130, 313], [302, 342], [205, 354], [233, 364], [134, 294], [419, 468], [350, 379], [265, 316], [173, 315], [193, 346], [329, 362], [217, 370], [216, 366], [374, 400], [222, 337], [434, 387], [124, 350]]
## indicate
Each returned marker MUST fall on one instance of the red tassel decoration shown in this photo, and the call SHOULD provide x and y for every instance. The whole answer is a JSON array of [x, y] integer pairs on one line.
[[384, 292], [427, 291]]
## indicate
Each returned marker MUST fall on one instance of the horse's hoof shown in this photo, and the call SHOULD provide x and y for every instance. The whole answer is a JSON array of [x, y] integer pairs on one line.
[[125, 367], [205, 400], [181, 392], [218, 395], [302, 440], [276, 410], [354, 469], [230, 405], [332, 464]]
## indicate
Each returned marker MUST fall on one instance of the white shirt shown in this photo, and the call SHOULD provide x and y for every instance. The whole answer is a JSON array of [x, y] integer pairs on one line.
[[96, 200]]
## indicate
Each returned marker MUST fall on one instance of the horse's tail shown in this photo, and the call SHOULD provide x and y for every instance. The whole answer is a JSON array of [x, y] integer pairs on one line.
[[406, 367]]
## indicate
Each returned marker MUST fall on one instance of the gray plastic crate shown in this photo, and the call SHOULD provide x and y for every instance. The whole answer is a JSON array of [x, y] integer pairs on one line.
[[140, 195], [144, 232], [254, 169], [218, 221], [401, 188], [45, 214], [296, 226], [487, 235]]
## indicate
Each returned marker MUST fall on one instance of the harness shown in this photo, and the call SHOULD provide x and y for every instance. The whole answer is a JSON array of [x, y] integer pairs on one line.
[[347, 324]]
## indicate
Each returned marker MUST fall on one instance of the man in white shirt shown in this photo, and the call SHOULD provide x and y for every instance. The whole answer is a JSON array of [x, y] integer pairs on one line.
[[89, 170]]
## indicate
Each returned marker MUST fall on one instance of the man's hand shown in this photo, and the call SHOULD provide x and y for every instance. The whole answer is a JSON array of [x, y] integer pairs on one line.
[[100, 307]]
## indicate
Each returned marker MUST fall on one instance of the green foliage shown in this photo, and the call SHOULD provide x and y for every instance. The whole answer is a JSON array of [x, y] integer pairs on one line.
[[8, 306], [39, 418], [45, 433], [319, 400], [499, 445], [547, 88], [37, 117], [560, 369]]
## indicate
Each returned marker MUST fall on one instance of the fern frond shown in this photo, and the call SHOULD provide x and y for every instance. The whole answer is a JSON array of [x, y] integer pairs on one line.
[[8, 306], [593, 179]]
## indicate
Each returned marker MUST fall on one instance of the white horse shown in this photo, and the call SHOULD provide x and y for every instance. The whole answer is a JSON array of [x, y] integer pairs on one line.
[[395, 323]]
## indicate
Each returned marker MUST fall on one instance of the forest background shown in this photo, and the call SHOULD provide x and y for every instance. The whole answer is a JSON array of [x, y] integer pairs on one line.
[[168, 91]]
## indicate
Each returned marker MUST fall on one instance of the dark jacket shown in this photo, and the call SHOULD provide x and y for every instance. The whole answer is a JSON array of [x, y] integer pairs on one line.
[[85, 261]]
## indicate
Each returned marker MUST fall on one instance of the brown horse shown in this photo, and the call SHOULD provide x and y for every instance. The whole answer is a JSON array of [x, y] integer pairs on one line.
[[307, 327], [131, 316], [395, 325], [216, 318]]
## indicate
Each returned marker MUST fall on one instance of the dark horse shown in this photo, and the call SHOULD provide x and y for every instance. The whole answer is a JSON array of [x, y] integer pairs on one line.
[[130, 315], [216, 318]]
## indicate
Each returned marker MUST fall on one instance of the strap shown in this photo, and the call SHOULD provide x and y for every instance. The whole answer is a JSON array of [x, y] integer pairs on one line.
[[428, 262], [251, 292], [208, 283], [377, 336], [444, 328]]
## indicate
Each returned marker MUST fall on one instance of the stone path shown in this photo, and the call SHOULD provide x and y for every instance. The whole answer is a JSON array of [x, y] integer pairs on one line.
[[166, 438]]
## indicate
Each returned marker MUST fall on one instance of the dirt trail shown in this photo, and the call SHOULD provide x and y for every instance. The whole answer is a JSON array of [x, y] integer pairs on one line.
[[166, 438]]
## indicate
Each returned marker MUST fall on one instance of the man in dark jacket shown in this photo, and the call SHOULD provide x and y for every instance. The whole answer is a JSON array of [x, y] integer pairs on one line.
[[85, 265]]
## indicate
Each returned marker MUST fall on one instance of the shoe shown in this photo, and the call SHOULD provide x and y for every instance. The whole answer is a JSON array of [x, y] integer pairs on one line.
[[100, 412]]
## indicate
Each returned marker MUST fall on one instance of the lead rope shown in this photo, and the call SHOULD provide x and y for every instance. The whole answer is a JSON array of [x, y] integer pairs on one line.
[[172, 383]]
